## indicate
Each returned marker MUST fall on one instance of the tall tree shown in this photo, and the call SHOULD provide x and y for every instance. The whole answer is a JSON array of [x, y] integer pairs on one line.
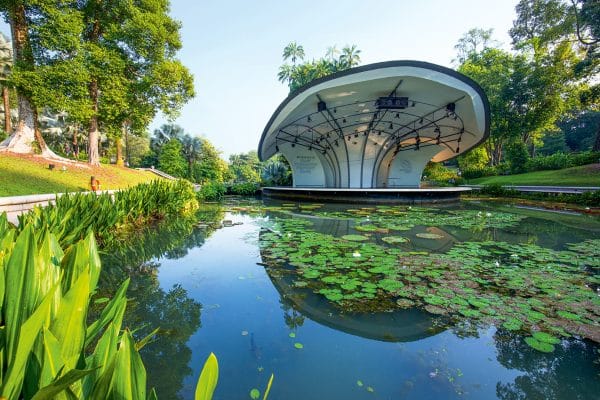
[[6, 60], [550, 27], [130, 52], [473, 42], [191, 148], [350, 57], [38, 28], [294, 52]]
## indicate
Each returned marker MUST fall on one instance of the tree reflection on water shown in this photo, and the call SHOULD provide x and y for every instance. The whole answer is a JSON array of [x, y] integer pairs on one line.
[[137, 256], [562, 374]]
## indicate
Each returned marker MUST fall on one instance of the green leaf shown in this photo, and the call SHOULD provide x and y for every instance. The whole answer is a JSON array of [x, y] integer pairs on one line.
[[254, 394], [268, 389], [113, 311], [298, 345], [129, 376], [207, 382], [27, 337], [49, 392]]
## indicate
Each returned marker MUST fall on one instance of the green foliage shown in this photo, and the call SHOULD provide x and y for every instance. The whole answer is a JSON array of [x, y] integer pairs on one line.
[[440, 175], [245, 168], [170, 159], [561, 160], [298, 75], [517, 157], [244, 189], [210, 168], [212, 191], [47, 341], [73, 216], [276, 172], [590, 198], [476, 158]]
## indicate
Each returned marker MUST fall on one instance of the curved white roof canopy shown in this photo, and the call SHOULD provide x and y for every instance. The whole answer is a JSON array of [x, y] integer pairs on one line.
[[336, 132]]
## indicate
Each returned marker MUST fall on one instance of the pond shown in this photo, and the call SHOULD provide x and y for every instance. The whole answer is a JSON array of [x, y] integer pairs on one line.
[[475, 301]]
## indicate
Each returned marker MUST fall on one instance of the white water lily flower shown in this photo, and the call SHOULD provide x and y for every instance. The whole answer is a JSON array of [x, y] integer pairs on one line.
[[488, 214], [497, 264], [356, 254]]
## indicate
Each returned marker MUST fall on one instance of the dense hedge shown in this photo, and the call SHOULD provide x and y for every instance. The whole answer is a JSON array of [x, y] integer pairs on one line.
[[540, 163], [243, 189], [212, 191], [591, 199]]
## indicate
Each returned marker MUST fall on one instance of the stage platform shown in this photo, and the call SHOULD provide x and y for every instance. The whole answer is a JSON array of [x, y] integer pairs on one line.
[[368, 196]]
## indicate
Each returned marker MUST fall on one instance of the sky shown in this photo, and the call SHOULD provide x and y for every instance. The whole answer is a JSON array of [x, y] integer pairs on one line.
[[233, 49]]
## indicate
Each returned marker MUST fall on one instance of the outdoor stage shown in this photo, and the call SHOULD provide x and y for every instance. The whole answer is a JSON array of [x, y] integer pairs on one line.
[[367, 196]]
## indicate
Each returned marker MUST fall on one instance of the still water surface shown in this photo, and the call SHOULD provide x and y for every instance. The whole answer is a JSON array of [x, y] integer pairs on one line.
[[208, 289]]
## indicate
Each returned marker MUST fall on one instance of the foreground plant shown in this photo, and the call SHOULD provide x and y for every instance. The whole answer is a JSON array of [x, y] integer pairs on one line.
[[48, 349]]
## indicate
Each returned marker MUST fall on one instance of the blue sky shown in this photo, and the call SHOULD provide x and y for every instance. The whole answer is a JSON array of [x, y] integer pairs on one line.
[[234, 48]]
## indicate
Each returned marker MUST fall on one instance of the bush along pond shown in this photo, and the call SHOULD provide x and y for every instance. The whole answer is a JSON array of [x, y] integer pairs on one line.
[[475, 300]]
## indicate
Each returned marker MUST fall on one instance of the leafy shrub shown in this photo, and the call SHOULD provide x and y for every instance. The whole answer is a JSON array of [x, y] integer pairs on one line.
[[562, 160], [479, 172], [73, 216], [440, 175], [591, 199], [517, 157], [498, 190], [212, 191], [244, 189]]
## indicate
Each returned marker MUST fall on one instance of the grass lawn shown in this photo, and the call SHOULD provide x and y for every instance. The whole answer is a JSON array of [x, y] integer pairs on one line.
[[586, 175], [21, 175]]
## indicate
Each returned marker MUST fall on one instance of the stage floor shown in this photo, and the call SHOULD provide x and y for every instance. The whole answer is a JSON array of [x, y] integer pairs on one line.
[[357, 195]]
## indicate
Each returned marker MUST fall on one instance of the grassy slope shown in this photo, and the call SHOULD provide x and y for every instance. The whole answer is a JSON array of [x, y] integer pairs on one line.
[[21, 175], [587, 175]]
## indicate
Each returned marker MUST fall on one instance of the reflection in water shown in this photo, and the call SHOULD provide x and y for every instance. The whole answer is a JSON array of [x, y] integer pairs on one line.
[[398, 326], [167, 358], [249, 312], [544, 374]]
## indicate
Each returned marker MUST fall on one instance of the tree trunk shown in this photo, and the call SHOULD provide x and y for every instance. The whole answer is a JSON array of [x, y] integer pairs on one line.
[[119, 146], [94, 134], [6, 99], [27, 132], [75, 143]]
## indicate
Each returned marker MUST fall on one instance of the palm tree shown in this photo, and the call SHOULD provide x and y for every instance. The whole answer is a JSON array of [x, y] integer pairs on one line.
[[165, 133], [293, 51], [285, 73], [332, 53], [6, 60], [350, 57], [192, 150]]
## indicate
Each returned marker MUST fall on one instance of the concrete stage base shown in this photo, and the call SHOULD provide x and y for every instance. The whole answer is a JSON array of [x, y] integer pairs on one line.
[[368, 196]]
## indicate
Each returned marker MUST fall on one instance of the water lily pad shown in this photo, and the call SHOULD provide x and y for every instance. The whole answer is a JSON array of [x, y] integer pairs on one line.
[[359, 383], [292, 335], [254, 394], [298, 345], [512, 324], [539, 346], [394, 239], [355, 238], [545, 338], [433, 236]]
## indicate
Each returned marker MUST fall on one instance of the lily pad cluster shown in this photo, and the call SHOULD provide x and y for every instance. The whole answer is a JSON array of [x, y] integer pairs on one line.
[[382, 219], [545, 294]]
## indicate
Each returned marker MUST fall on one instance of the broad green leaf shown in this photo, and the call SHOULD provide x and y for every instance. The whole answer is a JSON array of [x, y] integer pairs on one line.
[[60, 385], [52, 360], [69, 323], [129, 376], [254, 394], [113, 311], [20, 287], [207, 382], [28, 335], [140, 345]]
